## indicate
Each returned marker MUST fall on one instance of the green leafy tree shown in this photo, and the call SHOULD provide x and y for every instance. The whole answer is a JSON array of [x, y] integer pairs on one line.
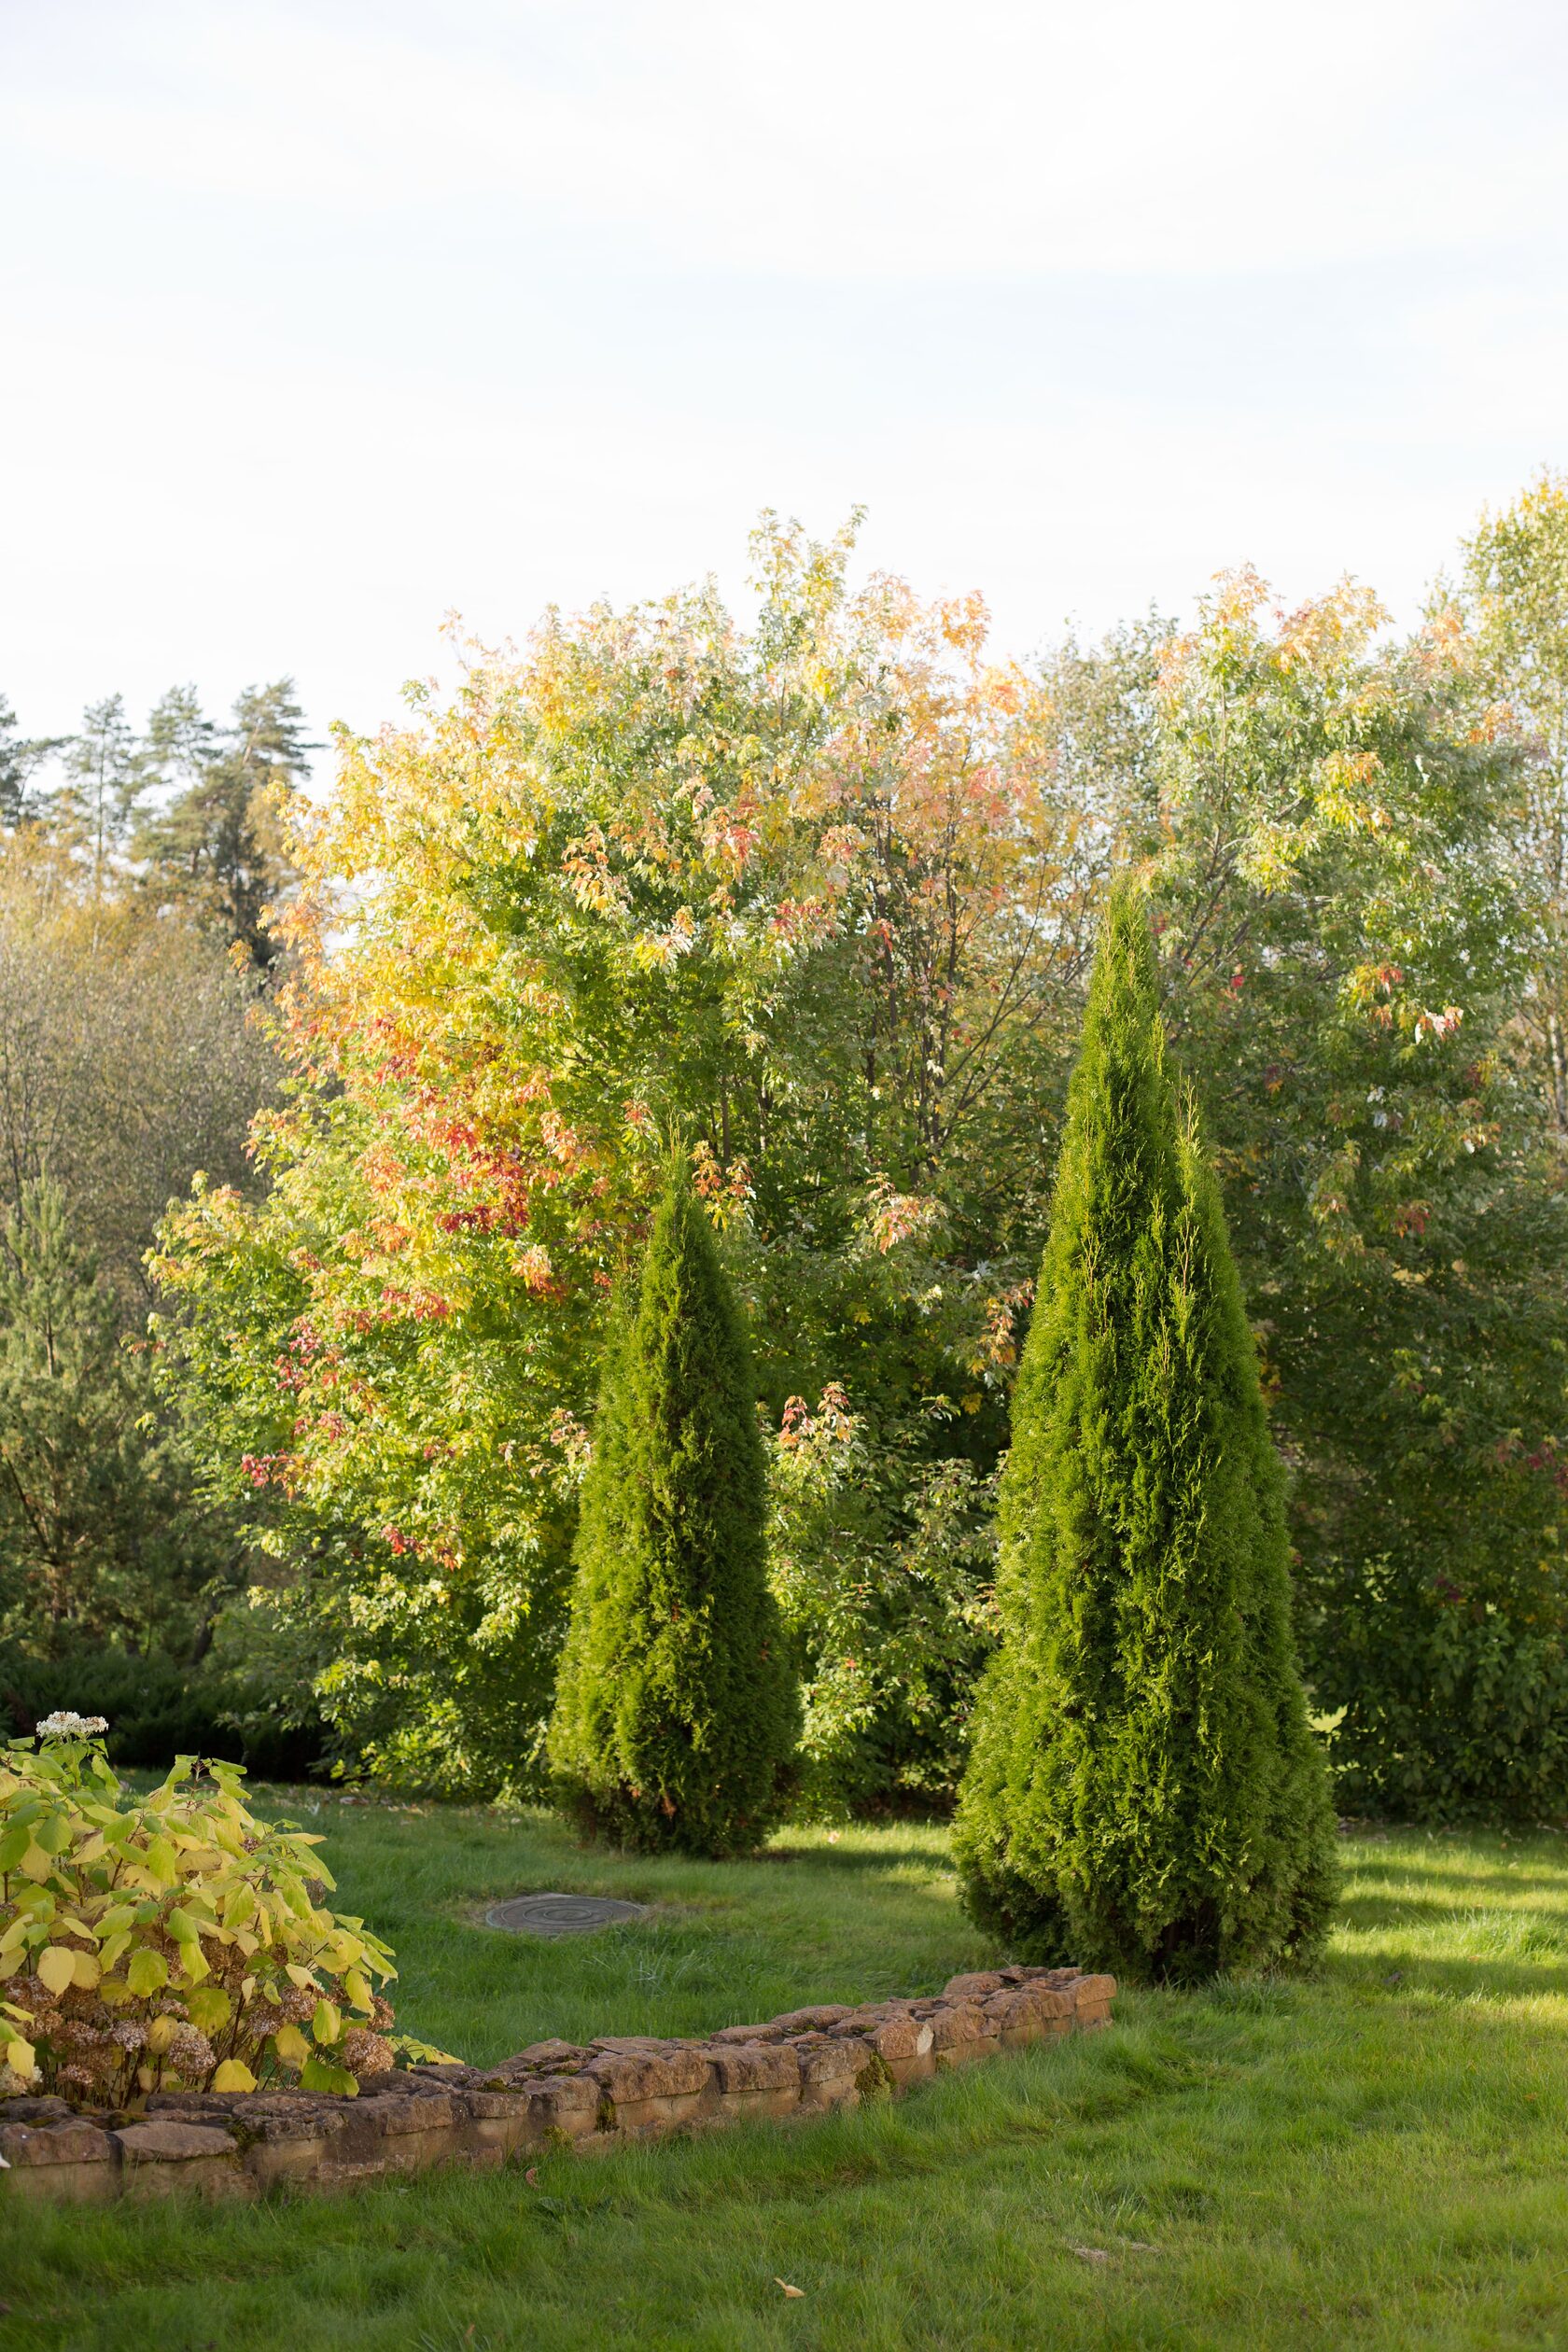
[[883, 1562], [1144, 1789], [99, 1536], [1347, 947], [676, 1712], [1513, 594], [128, 1058]]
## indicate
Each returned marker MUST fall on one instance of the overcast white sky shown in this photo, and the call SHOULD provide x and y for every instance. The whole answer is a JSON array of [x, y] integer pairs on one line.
[[321, 317]]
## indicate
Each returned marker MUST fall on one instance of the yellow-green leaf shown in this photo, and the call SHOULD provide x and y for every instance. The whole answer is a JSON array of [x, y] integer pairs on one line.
[[160, 1862], [209, 2008], [193, 1960], [233, 2076], [56, 1968], [327, 2023], [240, 1908], [316, 2075], [147, 1971], [291, 2046]]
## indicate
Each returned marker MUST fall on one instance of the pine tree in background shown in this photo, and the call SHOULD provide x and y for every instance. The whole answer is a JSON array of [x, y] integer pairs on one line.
[[676, 1710], [1143, 1789], [213, 840]]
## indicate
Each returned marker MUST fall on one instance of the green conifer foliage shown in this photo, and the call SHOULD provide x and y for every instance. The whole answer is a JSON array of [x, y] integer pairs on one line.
[[1143, 1790], [676, 1712]]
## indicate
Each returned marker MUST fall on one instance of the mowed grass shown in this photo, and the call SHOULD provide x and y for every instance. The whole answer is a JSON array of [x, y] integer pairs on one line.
[[1375, 2156]]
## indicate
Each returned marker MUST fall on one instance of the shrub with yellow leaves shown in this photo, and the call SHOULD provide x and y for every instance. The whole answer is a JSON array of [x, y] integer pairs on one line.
[[170, 1941]]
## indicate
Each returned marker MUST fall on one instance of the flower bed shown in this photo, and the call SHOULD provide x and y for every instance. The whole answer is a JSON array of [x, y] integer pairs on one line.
[[811, 2061]]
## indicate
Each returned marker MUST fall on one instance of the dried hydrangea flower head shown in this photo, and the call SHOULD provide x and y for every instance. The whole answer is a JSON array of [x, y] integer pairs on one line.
[[63, 1725]]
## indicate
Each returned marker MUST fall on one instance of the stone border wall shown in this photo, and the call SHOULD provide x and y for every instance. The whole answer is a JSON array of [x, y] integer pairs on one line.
[[556, 2095]]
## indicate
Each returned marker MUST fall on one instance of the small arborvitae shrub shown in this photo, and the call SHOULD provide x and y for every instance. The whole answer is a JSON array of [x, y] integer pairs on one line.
[[1144, 1791], [170, 1942], [676, 1711]]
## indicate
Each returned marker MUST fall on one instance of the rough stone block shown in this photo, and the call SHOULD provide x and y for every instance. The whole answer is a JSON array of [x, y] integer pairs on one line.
[[809, 2021], [44, 2109], [499, 2124], [1028, 2013], [283, 2151], [978, 1981], [215, 2107], [166, 2156], [391, 2133], [64, 2157], [653, 2092], [1091, 1991], [904, 2046], [551, 2054], [829, 2070], [958, 2030], [568, 2105], [754, 2079]]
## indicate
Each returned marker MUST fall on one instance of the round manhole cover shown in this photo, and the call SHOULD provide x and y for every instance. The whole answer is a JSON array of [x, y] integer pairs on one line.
[[561, 1914]]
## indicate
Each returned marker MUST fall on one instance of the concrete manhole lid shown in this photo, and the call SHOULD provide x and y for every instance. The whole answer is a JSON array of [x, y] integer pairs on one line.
[[561, 1914]]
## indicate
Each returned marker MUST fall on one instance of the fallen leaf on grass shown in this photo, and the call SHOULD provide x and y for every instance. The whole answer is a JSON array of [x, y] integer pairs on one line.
[[531, 2175], [788, 2289], [1090, 2253]]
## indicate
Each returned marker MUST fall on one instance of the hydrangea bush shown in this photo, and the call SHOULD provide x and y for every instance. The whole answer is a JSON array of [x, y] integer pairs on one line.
[[170, 1941]]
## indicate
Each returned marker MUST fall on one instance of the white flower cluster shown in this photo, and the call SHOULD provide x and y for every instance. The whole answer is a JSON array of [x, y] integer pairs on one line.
[[63, 1725]]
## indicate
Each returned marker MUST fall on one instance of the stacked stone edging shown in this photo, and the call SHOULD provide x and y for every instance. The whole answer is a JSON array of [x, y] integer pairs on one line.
[[557, 2094]]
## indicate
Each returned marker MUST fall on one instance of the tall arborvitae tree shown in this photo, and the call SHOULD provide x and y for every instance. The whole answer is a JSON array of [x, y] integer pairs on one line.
[[676, 1710], [1143, 1790]]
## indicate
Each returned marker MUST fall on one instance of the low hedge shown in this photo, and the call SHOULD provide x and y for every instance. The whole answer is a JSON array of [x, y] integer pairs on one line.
[[157, 1710]]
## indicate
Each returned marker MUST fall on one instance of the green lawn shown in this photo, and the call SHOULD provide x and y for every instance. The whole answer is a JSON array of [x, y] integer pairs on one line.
[[1378, 2156]]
